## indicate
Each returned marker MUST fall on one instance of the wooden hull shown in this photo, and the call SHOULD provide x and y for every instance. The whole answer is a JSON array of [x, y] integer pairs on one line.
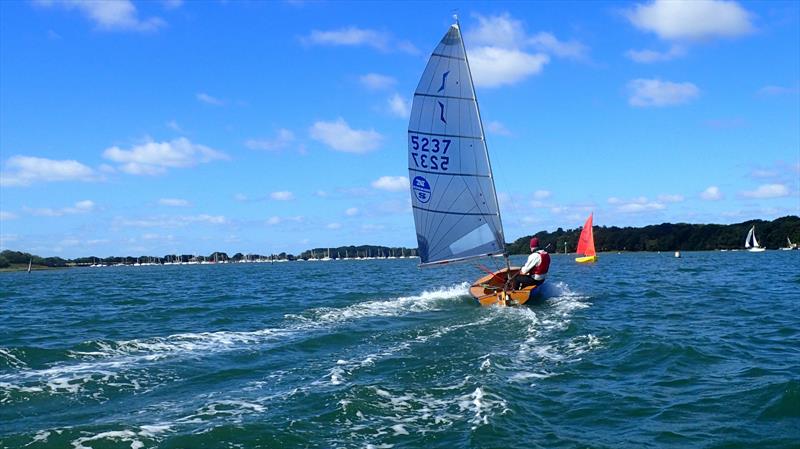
[[586, 259], [488, 290]]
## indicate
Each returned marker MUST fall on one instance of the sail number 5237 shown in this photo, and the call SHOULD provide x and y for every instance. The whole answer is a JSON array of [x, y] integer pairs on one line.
[[422, 147]]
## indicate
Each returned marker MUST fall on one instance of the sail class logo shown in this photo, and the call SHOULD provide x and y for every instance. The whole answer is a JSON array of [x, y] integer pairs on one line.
[[421, 188]]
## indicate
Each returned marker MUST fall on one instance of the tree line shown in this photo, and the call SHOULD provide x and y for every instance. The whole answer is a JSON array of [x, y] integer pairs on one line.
[[669, 237], [662, 237]]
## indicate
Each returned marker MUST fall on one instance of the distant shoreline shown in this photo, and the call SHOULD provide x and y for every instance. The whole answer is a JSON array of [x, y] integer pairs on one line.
[[665, 237]]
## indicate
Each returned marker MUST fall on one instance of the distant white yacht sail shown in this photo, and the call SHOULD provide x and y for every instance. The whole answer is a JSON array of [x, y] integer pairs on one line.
[[751, 243]]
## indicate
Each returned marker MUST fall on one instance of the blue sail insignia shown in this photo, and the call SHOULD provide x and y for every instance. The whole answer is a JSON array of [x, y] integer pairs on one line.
[[444, 80], [441, 113]]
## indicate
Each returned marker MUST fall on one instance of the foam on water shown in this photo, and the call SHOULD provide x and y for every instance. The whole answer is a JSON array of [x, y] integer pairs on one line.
[[106, 364]]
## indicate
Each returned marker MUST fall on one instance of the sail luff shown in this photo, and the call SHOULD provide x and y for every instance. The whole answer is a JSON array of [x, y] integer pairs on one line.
[[750, 237]]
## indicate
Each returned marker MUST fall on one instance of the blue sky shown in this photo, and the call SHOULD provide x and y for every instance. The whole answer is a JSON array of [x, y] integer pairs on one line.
[[167, 126]]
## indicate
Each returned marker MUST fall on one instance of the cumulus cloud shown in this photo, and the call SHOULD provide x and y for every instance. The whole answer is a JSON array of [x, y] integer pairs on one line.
[[173, 202], [399, 106], [208, 99], [650, 56], [283, 139], [117, 15], [334, 226], [283, 195], [712, 193], [4, 215], [767, 191], [391, 183], [351, 212], [691, 20], [657, 93], [27, 170], [80, 207], [153, 158], [500, 50], [376, 81], [339, 136], [494, 66]]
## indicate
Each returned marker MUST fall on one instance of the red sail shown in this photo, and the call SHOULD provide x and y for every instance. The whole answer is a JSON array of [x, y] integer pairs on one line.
[[586, 240]]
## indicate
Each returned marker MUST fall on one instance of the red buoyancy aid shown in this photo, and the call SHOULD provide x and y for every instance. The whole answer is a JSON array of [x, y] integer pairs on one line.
[[544, 266]]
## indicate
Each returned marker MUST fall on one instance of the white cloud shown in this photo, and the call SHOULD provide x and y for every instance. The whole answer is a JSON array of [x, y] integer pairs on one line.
[[650, 56], [376, 81], [391, 183], [351, 212], [282, 140], [173, 202], [79, 208], [321, 194], [639, 204], [208, 99], [118, 15], [667, 198], [399, 106], [712, 193], [657, 93], [768, 191], [494, 66], [499, 54], [542, 194], [27, 170], [152, 158], [351, 36], [274, 220], [691, 20], [7, 215], [282, 196], [640, 207], [495, 127], [171, 221], [334, 226], [547, 42], [339, 136], [241, 197]]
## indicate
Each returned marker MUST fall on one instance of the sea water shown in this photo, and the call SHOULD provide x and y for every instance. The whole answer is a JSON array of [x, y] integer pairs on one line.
[[637, 350]]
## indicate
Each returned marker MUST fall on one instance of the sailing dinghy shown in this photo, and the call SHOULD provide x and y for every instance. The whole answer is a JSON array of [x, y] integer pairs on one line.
[[452, 188], [751, 243], [586, 243]]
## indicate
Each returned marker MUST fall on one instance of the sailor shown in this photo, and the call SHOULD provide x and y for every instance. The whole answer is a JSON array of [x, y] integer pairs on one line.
[[535, 270]]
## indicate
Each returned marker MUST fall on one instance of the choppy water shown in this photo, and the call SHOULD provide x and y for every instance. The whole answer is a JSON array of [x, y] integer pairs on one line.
[[638, 350]]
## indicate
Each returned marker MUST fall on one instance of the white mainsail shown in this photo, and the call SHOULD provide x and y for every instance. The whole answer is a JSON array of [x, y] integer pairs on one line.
[[452, 188], [750, 241]]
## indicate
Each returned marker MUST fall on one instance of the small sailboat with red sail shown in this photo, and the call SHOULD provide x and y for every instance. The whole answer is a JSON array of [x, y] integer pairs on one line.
[[586, 243]]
